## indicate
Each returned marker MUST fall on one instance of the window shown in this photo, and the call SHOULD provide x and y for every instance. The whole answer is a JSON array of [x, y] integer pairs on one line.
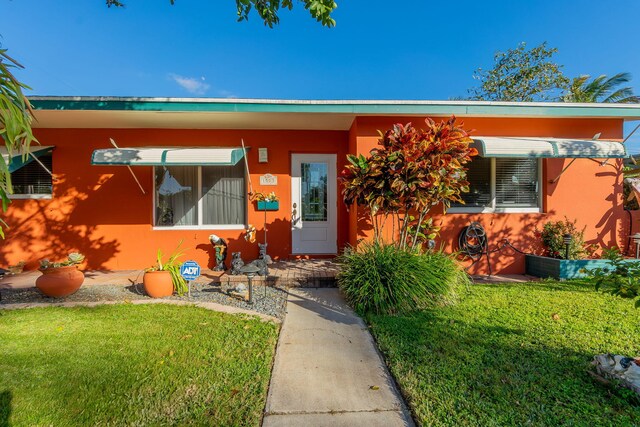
[[516, 183], [200, 196], [479, 177], [314, 191], [32, 180], [501, 185]]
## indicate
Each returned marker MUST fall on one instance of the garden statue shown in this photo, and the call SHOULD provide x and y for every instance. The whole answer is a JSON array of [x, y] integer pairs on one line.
[[220, 248], [263, 253], [262, 265], [236, 263], [250, 234]]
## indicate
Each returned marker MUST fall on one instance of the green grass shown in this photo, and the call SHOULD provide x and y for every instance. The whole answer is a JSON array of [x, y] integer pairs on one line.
[[121, 365], [498, 357]]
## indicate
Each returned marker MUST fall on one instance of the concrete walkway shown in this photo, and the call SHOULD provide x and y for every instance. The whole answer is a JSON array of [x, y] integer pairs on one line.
[[327, 370]]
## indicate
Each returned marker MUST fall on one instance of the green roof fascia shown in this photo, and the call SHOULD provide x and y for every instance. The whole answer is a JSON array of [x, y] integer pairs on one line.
[[480, 109]]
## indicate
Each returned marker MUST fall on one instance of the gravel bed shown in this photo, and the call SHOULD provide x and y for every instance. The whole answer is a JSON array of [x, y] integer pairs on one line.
[[273, 304]]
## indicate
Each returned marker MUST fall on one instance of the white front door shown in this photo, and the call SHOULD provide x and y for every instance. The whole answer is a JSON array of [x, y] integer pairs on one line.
[[314, 219]]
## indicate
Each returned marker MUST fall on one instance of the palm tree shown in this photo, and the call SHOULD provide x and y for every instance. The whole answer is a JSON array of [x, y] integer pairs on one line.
[[601, 89], [15, 124]]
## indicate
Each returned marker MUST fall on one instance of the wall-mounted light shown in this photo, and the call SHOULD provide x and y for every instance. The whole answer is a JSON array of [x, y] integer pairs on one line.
[[263, 155]]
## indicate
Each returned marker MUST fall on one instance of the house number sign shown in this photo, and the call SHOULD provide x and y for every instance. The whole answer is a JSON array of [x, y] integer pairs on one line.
[[268, 179]]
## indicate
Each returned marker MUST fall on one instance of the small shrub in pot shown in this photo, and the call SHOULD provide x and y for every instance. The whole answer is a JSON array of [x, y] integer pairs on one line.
[[164, 278]]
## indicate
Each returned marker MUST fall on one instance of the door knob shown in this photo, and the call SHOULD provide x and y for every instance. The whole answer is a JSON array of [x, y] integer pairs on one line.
[[294, 214]]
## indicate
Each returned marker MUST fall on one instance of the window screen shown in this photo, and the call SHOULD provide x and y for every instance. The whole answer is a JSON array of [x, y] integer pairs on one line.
[[479, 177], [33, 179], [517, 183]]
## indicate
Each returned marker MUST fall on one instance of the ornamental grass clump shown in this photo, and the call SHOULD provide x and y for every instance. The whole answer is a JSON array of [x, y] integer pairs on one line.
[[384, 279]]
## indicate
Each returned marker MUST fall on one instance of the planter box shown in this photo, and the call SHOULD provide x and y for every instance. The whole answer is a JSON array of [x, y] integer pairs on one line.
[[542, 266], [268, 206]]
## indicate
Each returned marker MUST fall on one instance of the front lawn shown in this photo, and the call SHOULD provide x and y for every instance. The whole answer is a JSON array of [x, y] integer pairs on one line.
[[133, 365], [513, 354]]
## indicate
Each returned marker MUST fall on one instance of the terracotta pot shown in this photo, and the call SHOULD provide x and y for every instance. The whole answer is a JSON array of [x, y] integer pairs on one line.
[[60, 282], [158, 284]]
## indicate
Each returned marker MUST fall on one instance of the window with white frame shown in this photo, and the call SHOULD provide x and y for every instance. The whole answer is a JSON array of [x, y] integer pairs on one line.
[[32, 180], [200, 196], [501, 185]]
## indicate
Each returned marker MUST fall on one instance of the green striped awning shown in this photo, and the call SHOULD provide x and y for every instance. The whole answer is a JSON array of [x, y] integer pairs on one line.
[[548, 148], [16, 160], [168, 156]]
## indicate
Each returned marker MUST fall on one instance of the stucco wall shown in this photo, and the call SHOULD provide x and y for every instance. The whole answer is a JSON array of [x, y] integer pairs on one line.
[[101, 212], [587, 191]]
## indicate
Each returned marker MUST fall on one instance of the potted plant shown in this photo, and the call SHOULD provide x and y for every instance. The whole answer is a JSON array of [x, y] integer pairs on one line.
[[164, 278], [267, 202], [61, 279], [566, 255]]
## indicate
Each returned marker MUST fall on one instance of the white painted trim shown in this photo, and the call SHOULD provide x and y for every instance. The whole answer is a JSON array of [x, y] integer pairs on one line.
[[30, 196], [199, 208], [201, 227], [465, 210]]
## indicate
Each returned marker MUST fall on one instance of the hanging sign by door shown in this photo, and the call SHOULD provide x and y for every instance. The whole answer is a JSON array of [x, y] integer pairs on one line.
[[268, 179]]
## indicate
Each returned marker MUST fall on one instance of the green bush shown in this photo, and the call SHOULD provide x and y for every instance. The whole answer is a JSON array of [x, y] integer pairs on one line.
[[384, 279], [621, 278], [553, 239]]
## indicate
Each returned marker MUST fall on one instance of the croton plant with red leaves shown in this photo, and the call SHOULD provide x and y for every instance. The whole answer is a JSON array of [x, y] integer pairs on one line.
[[411, 171]]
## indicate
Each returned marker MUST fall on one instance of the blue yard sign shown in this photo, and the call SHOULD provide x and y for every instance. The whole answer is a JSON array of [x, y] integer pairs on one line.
[[190, 270]]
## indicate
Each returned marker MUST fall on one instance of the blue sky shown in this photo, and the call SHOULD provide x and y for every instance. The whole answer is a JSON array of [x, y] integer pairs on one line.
[[413, 49]]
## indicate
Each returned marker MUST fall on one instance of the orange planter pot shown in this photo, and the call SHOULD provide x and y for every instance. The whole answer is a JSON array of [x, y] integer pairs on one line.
[[60, 282], [158, 284]]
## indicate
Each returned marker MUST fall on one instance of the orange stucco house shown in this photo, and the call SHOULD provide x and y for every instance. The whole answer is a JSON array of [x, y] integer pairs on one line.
[[187, 157]]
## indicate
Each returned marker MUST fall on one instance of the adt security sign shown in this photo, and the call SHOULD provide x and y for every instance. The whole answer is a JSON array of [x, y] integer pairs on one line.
[[190, 270]]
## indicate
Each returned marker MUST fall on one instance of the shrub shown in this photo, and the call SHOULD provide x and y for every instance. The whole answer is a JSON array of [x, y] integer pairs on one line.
[[553, 239], [622, 278], [408, 173], [385, 279]]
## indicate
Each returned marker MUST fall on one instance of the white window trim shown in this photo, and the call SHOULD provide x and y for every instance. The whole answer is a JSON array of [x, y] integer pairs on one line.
[[212, 227], [30, 196], [493, 208], [201, 227]]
